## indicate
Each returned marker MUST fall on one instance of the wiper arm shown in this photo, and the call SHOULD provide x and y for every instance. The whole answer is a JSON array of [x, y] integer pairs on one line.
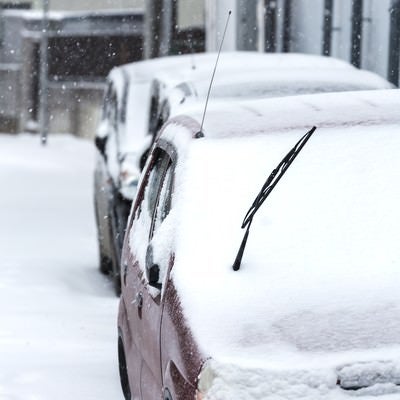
[[267, 188]]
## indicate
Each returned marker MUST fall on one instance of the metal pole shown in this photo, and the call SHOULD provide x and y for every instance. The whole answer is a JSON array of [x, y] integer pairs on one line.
[[287, 29], [168, 22], [270, 26], [356, 33], [394, 43], [44, 67], [327, 34], [247, 28], [153, 27]]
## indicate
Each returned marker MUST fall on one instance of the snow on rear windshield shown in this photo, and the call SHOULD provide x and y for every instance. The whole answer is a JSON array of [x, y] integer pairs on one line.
[[323, 248]]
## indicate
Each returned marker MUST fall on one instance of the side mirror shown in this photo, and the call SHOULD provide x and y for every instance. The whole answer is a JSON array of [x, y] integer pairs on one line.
[[101, 145], [152, 269]]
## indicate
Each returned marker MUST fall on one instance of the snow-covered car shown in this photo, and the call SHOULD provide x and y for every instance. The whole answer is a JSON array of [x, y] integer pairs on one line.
[[278, 75], [310, 308]]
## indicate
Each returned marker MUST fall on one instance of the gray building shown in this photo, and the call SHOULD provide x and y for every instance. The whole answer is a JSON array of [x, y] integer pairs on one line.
[[82, 48]]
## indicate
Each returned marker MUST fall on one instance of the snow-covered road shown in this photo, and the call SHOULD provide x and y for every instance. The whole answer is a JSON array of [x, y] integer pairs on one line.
[[57, 313]]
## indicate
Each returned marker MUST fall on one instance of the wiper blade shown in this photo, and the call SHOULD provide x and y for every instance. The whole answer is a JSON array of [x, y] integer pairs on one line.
[[267, 188]]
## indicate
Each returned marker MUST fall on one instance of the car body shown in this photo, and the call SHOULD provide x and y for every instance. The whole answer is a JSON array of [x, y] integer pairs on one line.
[[314, 312]]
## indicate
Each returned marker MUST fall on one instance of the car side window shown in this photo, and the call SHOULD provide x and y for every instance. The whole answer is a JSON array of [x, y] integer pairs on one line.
[[164, 201], [154, 198], [146, 235]]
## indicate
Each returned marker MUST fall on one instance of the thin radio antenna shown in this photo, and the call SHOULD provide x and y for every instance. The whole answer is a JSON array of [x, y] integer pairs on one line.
[[213, 74]]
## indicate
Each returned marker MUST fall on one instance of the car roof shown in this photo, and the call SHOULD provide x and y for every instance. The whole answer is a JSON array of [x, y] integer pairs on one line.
[[172, 70], [242, 61], [243, 118]]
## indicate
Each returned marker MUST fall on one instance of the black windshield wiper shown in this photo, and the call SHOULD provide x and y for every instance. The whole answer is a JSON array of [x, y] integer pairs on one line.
[[267, 188]]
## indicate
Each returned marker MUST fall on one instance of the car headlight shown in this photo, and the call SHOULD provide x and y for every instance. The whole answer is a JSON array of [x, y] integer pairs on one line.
[[206, 378]]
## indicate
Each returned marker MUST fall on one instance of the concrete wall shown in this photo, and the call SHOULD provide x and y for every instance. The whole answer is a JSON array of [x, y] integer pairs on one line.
[[375, 50], [190, 13]]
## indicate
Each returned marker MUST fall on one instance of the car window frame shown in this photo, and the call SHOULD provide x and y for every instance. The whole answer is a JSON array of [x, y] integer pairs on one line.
[[170, 150]]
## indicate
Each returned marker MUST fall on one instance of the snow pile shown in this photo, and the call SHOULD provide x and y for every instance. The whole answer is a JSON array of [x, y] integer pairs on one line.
[[58, 314]]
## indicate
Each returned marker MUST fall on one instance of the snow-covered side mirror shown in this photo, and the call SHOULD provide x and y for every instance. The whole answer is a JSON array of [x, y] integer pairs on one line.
[[152, 269]]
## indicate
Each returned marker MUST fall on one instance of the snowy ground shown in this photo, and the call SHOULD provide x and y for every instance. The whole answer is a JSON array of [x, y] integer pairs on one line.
[[57, 313]]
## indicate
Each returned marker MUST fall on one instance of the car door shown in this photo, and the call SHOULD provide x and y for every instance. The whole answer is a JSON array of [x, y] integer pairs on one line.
[[141, 292]]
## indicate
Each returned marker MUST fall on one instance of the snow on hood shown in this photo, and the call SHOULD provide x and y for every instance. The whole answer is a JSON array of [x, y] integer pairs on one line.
[[318, 286]]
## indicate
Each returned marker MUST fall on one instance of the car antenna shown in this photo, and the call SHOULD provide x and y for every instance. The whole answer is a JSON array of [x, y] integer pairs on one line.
[[200, 133], [267, 188]]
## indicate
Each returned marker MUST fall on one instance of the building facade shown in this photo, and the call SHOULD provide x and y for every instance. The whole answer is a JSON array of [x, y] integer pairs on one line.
[[74, 5], [363, 32]]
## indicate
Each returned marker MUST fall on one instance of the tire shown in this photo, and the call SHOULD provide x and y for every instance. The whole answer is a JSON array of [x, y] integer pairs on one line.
[[120, 216], [117, 284], [105, 264], [123, 371]]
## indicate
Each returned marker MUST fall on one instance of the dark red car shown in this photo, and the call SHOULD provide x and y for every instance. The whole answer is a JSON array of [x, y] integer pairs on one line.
[[313, 312]]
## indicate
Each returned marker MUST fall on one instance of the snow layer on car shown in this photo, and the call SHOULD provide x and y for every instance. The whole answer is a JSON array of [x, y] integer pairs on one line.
[[318, 286], [230, 382]]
